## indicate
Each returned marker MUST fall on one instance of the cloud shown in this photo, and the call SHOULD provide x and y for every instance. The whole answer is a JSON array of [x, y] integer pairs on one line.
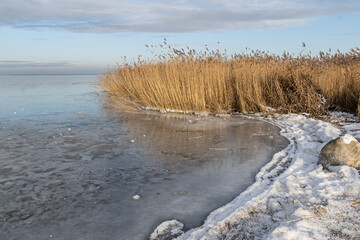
[[166, 16]]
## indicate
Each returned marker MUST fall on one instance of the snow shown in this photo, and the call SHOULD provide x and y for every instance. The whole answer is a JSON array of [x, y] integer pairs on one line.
[[293, 197], [347, 139], [167, 229], [167, 110]]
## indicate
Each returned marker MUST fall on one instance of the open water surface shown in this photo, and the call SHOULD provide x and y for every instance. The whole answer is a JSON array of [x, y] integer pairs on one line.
[[70, 166]]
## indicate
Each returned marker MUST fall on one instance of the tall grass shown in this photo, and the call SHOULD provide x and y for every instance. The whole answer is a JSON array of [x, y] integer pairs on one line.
[[247, 82]]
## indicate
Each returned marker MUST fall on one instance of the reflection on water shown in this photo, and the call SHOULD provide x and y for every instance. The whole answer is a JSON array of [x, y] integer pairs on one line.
[[69, 167]]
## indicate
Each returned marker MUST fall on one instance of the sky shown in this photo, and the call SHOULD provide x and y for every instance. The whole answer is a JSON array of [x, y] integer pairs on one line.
[[90, 36]]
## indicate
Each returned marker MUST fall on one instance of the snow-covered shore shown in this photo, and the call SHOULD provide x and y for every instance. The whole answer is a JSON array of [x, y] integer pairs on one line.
[[293, 197]]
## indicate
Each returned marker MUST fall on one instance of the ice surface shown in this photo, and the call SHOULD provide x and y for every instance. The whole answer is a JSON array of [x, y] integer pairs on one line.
[[69, 169], [79, 183]]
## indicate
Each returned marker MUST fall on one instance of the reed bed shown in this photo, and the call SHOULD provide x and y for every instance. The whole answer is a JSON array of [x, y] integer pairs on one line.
[[253, 81]]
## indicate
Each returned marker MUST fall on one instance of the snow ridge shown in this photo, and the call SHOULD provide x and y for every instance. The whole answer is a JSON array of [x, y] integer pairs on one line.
[[348, 139], [292, 196]]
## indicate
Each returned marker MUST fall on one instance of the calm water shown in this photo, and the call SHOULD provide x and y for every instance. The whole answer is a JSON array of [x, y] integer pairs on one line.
[[69, 166]]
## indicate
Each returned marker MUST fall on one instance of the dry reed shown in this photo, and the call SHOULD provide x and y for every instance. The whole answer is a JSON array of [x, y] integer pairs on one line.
[[248, 82]]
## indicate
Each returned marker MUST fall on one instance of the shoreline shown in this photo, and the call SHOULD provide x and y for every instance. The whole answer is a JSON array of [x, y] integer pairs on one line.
[[292, 196]]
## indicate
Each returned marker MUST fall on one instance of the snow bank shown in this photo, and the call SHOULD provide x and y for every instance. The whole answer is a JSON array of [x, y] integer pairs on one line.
[[293, 197], [347, 139]]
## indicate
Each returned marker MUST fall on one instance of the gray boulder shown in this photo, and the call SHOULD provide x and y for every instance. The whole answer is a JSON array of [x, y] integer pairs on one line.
[[341, 151]]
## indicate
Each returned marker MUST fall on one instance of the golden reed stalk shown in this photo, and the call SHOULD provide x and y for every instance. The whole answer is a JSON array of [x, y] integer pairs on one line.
[[247, 82]]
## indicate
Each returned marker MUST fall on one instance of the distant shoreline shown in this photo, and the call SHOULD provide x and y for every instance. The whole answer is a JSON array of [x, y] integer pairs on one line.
[[53, 74]]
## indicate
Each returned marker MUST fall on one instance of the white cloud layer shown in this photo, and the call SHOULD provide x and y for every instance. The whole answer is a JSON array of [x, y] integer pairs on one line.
[[166, 16]]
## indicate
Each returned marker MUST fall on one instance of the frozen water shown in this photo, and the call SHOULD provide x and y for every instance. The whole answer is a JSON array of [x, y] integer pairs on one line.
[[69, 167]]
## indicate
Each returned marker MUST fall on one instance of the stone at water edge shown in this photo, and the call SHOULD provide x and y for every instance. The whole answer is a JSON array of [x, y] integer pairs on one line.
[[136, 197], [167, 230], [341, 151]]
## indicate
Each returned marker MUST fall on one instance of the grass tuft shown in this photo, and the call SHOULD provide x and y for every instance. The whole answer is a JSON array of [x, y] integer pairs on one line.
[[247, 82]]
